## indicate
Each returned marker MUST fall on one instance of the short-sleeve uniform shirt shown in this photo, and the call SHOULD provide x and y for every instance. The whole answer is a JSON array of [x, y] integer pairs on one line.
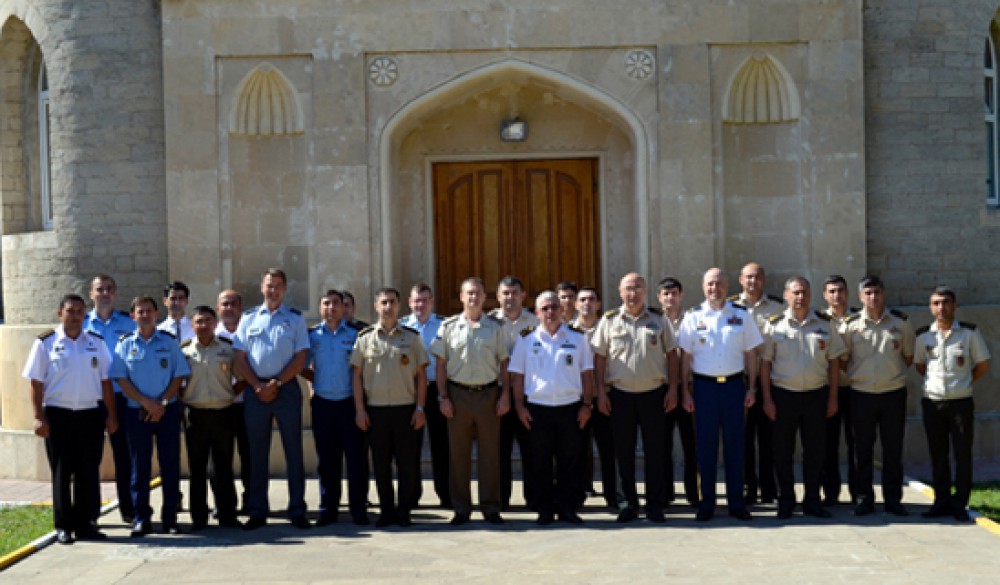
[[838, 323], [876, 349], [717, 339], [428, 331], [211, 381], [150, 364], [512, 328], [800, 351], [70, 370], [635, 348], [474, 350], [389, 361], [271, 339], [117, 325], [950, 357], [552, 365], [330, 358]]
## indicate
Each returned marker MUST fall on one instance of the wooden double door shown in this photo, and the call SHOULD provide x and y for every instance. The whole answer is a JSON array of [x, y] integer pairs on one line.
[[535, 219]]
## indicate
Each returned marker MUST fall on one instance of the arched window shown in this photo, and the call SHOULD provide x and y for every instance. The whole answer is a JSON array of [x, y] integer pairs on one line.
[[990, 111], [44, 163]]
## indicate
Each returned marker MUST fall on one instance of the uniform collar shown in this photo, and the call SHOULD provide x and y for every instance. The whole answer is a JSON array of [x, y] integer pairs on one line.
[[262, 309], [394, 331], [745, 300], [61, 335], [867, 317], [94, 316], [790, 316], [559, 334], [340, 327], [626, 315], [412, 320], [726, 306], [220, 329], [215, 341], [954, 325], [577, 323]]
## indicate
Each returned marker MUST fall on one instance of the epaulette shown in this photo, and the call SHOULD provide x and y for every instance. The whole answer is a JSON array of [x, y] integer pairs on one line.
[[610, 313], [124, 314], [527, 331], [357, 323], [854, 309], [122, 338], [224, 340], [167, 333], [451, 319], [294, 310], [655, 311], [410, 329], [47, 334], [899, 314], [186, 343], [921, 330], [776, 299], [495, 320], [967, 325], [738, 305], [95, 334], [733, 298], [366, 330], [775, 318], [573, 327], [316, 327], [821, 315], [852, 317]]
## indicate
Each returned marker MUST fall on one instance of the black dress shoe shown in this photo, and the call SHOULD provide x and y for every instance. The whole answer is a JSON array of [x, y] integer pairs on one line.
[[864, 509], [784, 513], [405, 520], [896, 509], [742, 515], [767, 499], [172, 530], [140, 529], [493, 518], [656, 517], [459, 518], [90, 533], [544, 519], [300, 522], [830, 501], [128, 519], [937, 511], [326, 520], [962, 515], [361, 520], [571, 518], [385, 521], [816, 512], [704, 515], [255, 522], [627, 515], [199, 524], [230, 523], [64, 537]]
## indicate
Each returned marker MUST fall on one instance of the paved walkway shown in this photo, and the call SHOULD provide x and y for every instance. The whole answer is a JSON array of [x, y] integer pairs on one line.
[[877, 549]]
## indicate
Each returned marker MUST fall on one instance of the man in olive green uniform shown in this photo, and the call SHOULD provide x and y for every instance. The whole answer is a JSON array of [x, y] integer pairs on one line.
[[472, 356], [390, 389]]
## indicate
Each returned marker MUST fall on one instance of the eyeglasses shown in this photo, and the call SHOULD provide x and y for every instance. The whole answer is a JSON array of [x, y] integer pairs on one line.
[[548, 308]]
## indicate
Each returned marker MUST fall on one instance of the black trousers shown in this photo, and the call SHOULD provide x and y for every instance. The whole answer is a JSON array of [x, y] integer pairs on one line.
[[950, 423], [511, 429], [392, 439], [338, 439], [611, 483], [884, 415], [758, 452], [74, 445], [437, 432], [830, 479], [123, 464], [684, 422], [632, 412], [555, 448], [799, 413], [242, 446], [210, 433]]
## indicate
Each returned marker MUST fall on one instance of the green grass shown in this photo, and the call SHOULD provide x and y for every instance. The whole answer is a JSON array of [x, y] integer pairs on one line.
[[986, 499], [21, 525]]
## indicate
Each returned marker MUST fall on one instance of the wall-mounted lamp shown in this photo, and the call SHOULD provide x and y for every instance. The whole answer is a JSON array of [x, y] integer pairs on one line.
[[514, 130]]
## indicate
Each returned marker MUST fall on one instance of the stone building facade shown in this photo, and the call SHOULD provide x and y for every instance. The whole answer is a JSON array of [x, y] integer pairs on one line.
[[357, 144]]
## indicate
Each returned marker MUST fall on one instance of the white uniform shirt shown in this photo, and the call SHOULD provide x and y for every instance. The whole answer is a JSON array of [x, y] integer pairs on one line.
[[552, 365], [717, 339], [181, 329], [70, 369]]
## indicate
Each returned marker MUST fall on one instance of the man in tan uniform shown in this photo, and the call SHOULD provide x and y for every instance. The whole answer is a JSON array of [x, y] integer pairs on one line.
[[515, 319], [472, 356], [211, 428], [634, 364], [390, 390], [758, 470], [879, 349], [799, 373]]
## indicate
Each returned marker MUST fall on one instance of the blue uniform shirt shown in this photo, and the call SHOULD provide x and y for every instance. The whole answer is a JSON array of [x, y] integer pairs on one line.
[[330, 357], [271, 340], [150, 365], [112, 330], [428, 331]]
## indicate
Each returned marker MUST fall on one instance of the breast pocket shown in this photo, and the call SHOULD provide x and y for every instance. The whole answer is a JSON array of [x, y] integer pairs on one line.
[[59, 361], [618, 344]]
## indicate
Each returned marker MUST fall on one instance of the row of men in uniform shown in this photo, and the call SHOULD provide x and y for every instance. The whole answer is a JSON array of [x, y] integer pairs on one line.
[[390, 395]]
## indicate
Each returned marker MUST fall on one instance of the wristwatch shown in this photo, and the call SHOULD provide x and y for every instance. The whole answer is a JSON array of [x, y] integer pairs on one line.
[[164, 401], [420, 408]]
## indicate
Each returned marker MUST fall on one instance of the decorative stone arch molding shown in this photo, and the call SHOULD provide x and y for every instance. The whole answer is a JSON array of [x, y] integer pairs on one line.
[[761, 92], [408, 116], [265, 104]]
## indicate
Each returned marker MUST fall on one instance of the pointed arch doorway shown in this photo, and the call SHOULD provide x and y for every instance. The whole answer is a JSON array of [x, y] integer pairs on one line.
[[535, 219]]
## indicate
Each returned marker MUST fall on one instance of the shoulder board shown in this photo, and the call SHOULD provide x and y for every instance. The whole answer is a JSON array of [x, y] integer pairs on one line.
[[775, 318], [921, 330], [738, 305], [527, 331], [124, 314], [410, 329], [611, 313], [186, 343], [576, 329], [733, 297], [655, 311], [852, 317], [316, 327], [451, 319], [494, 319], [967, 325], [821, 315], [47, 334], [776, 299], [899, 314], [95, 334], [854, 309], [167, 333], [224, 340], [366, 330], [122, 338], [251, 310], [295, 311], [355, 325], [497, 312]]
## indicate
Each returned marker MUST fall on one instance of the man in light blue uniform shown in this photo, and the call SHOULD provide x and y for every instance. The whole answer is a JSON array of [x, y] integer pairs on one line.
[[149, 367], [337, 437], [272, 345], [112, 324], [426, 322]]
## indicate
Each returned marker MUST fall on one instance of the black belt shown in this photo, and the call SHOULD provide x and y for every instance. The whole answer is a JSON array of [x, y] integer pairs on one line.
[[474, 388], [718, 379]]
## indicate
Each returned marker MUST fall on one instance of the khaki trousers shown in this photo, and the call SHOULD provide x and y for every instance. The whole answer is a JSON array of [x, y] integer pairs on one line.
[[475, 418]]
